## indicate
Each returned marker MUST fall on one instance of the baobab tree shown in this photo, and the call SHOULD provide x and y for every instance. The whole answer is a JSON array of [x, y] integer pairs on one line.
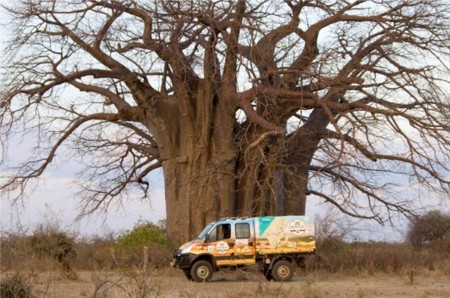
[[249, 107]]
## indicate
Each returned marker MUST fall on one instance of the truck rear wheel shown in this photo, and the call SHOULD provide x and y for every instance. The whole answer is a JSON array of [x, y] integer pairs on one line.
[[282, 270], [201, 271], [267, 273]]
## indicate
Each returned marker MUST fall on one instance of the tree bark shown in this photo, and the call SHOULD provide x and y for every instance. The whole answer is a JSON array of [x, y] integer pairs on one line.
[[199, 163]]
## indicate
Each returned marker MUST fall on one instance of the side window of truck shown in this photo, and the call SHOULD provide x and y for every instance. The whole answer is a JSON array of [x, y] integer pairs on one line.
[[220, 232], [242, 231]]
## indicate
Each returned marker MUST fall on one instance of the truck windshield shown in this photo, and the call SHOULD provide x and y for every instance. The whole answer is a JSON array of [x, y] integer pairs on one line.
[[205, 231]]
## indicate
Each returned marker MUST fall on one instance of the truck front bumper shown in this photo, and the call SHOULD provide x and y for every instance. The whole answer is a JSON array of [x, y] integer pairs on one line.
[[181, 261]]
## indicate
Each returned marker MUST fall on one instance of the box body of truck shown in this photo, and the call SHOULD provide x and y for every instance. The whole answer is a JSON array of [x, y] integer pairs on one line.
[[270, 242]]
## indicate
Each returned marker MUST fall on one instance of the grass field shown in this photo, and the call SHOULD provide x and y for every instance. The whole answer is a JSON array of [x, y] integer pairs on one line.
[[51, 263], [171, 283]]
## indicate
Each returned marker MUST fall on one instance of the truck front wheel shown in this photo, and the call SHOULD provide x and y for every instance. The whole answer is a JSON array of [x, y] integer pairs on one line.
[[187, 273], [201, 271], [282, 270]]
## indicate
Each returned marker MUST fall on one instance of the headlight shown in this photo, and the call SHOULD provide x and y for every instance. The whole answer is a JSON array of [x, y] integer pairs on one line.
[[176, 252], [186, 250]]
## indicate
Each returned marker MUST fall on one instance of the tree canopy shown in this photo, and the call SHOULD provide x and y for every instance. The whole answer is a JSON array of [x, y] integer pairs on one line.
[[431, 226], [247, 106]]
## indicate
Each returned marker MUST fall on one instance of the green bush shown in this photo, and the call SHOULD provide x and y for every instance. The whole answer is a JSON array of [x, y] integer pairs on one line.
[[145, 236], [144, 233]]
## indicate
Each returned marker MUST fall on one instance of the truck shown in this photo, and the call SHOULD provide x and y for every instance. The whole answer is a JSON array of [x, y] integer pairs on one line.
[[274, 245]]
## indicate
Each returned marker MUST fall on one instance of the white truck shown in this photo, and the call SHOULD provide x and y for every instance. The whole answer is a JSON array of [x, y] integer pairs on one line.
[[274, 243]]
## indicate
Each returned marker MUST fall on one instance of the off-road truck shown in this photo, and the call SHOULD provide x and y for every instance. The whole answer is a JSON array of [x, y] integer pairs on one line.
[[273, 244]]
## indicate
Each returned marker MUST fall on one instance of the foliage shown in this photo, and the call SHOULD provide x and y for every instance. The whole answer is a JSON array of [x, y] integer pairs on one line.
[[430, 227], [145, 236], [143, 233], [15, 287]]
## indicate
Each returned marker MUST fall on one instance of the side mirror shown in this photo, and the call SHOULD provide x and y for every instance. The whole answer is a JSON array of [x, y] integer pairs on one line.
[[207, 238]]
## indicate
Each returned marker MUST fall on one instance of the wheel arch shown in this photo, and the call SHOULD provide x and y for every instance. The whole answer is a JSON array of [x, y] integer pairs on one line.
[[205, 257], [288, 258]]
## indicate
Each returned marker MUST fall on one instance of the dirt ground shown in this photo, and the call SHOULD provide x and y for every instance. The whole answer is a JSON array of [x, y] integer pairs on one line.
[[172, 283]]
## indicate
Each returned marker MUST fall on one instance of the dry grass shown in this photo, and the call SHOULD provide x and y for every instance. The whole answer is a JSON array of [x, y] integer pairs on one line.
[[333, 256], [171, 283], [337, 256], [352, 269]]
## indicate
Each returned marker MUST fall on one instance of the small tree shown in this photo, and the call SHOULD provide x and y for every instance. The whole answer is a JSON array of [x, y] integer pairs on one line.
[[434, 225]]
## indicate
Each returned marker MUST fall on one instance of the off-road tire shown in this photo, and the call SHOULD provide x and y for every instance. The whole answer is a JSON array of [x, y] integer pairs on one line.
[[282, 270], [201, 271], [267, 273]]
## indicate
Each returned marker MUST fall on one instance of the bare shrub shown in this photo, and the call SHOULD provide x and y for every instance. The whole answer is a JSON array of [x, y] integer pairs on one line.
[[15, 251], [158, 257], [138, 282], [51, 242], [336, 254], [15, 287], [94, 253]]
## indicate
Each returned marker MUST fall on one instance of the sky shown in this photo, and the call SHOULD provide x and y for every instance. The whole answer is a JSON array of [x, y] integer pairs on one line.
[[52, 203]]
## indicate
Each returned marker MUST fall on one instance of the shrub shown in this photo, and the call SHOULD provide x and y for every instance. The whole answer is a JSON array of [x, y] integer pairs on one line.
[[57, 245], [15, 251], [94, 252], [432, 226], [143, 233], [15, 287]]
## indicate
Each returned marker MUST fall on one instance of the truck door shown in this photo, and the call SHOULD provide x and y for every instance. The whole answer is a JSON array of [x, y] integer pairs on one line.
[[232, 243], [220, 244], [244, 246]]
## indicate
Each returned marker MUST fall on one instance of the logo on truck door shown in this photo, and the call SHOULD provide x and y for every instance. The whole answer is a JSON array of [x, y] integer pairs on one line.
[[297, 227], [222, 247]]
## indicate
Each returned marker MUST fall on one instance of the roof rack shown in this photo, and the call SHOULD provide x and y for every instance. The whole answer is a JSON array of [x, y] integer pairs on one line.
[[233, 218]]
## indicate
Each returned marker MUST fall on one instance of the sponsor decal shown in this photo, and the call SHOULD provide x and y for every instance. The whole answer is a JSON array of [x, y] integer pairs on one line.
[[242, 241], [246, 249], [264, 223], [297, 227], [274, 240], [210, 248], [222, 247]]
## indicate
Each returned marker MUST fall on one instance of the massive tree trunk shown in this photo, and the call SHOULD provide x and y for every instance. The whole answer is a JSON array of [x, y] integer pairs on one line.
[[195, 195], [198, 160], [216, 167]]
